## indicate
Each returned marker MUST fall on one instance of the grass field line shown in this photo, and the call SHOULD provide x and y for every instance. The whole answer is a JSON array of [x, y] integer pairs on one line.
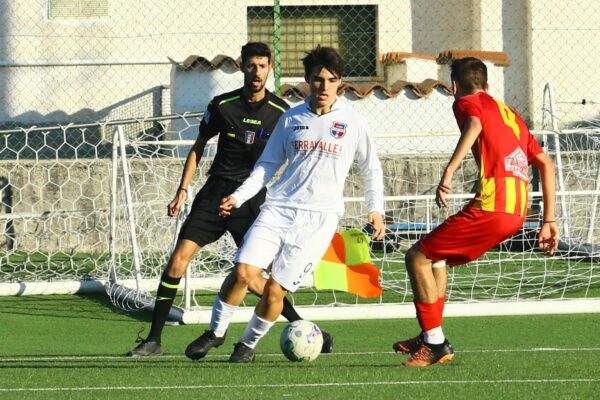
[[297, 385], [363, 353]]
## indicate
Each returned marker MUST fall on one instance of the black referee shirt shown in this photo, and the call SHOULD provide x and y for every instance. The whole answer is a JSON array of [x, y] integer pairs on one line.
[[244, 129]]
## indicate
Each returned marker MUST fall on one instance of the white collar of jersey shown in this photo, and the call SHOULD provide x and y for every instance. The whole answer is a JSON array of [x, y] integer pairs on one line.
[[334, 107]]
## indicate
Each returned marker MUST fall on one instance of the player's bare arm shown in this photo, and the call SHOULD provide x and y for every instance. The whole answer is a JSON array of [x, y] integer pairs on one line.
[[376, 221], [548, 236], [227, 203], [191, 163], [469, 135]]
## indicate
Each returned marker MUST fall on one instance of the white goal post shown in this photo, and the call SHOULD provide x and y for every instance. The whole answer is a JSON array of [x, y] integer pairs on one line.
[[91, 216]]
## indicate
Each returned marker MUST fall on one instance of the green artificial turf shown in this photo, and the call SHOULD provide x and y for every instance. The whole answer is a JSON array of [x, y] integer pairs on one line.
[[56, 347]]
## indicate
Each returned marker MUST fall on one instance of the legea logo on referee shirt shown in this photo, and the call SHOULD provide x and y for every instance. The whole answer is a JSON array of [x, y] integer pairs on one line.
[[338, 129]]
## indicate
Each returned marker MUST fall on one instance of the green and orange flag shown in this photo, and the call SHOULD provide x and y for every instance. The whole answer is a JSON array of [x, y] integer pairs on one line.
[[347, 266]]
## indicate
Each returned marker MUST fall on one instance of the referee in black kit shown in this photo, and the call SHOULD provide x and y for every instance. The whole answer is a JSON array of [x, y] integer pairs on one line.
[[244, 118]]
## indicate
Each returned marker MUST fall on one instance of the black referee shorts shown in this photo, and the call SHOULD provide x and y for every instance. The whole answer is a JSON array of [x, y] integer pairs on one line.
[[204, 225]]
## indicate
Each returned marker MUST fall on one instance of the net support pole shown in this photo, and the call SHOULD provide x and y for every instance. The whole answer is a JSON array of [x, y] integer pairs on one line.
[[130, 214], [428, 216], [559, 166], [590, 235], [187, 288], [277, 46], [113, 205]]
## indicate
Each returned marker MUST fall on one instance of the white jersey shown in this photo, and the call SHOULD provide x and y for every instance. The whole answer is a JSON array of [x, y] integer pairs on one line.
[[319, 150]]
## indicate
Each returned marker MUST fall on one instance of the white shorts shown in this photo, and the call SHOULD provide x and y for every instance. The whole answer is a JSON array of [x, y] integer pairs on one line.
[[292, 240]]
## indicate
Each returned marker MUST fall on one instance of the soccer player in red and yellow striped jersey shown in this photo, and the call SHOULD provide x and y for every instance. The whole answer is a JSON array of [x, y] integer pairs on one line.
[[503, 148]]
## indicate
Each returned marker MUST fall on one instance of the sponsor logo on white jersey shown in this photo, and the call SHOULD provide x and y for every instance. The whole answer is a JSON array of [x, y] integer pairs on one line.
[[320, 146]]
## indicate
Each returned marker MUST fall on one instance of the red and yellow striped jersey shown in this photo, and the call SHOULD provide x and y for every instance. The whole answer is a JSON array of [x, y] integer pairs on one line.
[[503, 151]]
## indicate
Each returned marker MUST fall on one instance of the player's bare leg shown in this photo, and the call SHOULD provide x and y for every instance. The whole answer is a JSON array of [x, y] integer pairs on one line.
[[257, 287], [184, 251], [424, 279], [232, 293], [234, 290], [429, 287], [424, 284], [440, 274], [265, 314], [271, 303]]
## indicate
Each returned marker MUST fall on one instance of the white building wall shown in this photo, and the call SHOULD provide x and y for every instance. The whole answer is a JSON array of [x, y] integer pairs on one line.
[[395, 26], [565, 48], [66, 71], [444, 24], [515, 18], [490, 15], [134, 31], [400, 128]]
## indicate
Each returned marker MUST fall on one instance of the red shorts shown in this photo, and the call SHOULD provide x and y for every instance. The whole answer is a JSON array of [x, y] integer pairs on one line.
[[466, 235]]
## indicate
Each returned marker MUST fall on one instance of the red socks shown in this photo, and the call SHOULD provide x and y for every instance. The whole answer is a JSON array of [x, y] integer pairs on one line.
[[441, 301], [430, 314]]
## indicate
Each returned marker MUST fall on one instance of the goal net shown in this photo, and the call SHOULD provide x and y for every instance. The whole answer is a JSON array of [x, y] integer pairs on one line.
[[84, 209]]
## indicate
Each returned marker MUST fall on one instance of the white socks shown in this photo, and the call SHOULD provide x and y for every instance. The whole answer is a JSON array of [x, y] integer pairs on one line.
[[434, 336], [255, 330], [221, 316]]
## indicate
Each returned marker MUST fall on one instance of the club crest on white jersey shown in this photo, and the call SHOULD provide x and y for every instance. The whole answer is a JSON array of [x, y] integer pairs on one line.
[[338, 129]]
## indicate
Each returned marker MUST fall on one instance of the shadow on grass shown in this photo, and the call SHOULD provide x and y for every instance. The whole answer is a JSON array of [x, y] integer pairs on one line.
[[81, 306], [104, 301]]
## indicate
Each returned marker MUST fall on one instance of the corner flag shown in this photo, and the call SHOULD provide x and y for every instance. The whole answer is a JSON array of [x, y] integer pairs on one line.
[[347, 266]]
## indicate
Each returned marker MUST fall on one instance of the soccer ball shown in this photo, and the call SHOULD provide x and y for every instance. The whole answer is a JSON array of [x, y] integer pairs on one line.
[[301, 341]]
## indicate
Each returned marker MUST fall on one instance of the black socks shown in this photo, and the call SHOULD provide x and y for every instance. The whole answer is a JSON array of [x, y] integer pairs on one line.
[[167, 290]]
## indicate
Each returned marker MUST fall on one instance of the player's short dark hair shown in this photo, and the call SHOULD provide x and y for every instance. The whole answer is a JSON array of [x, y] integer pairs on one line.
[[323, 57], [255, 49], [470, 73]]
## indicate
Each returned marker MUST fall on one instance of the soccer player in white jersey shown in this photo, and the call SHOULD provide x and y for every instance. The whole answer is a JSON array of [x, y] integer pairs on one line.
[[319, 139]]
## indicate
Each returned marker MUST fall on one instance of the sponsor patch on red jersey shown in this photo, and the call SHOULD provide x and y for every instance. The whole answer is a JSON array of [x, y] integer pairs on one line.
[[516, 162]]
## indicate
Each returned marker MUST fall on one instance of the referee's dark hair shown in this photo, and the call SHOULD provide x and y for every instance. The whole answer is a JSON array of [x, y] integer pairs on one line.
[[323, 57], [255, 49]]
